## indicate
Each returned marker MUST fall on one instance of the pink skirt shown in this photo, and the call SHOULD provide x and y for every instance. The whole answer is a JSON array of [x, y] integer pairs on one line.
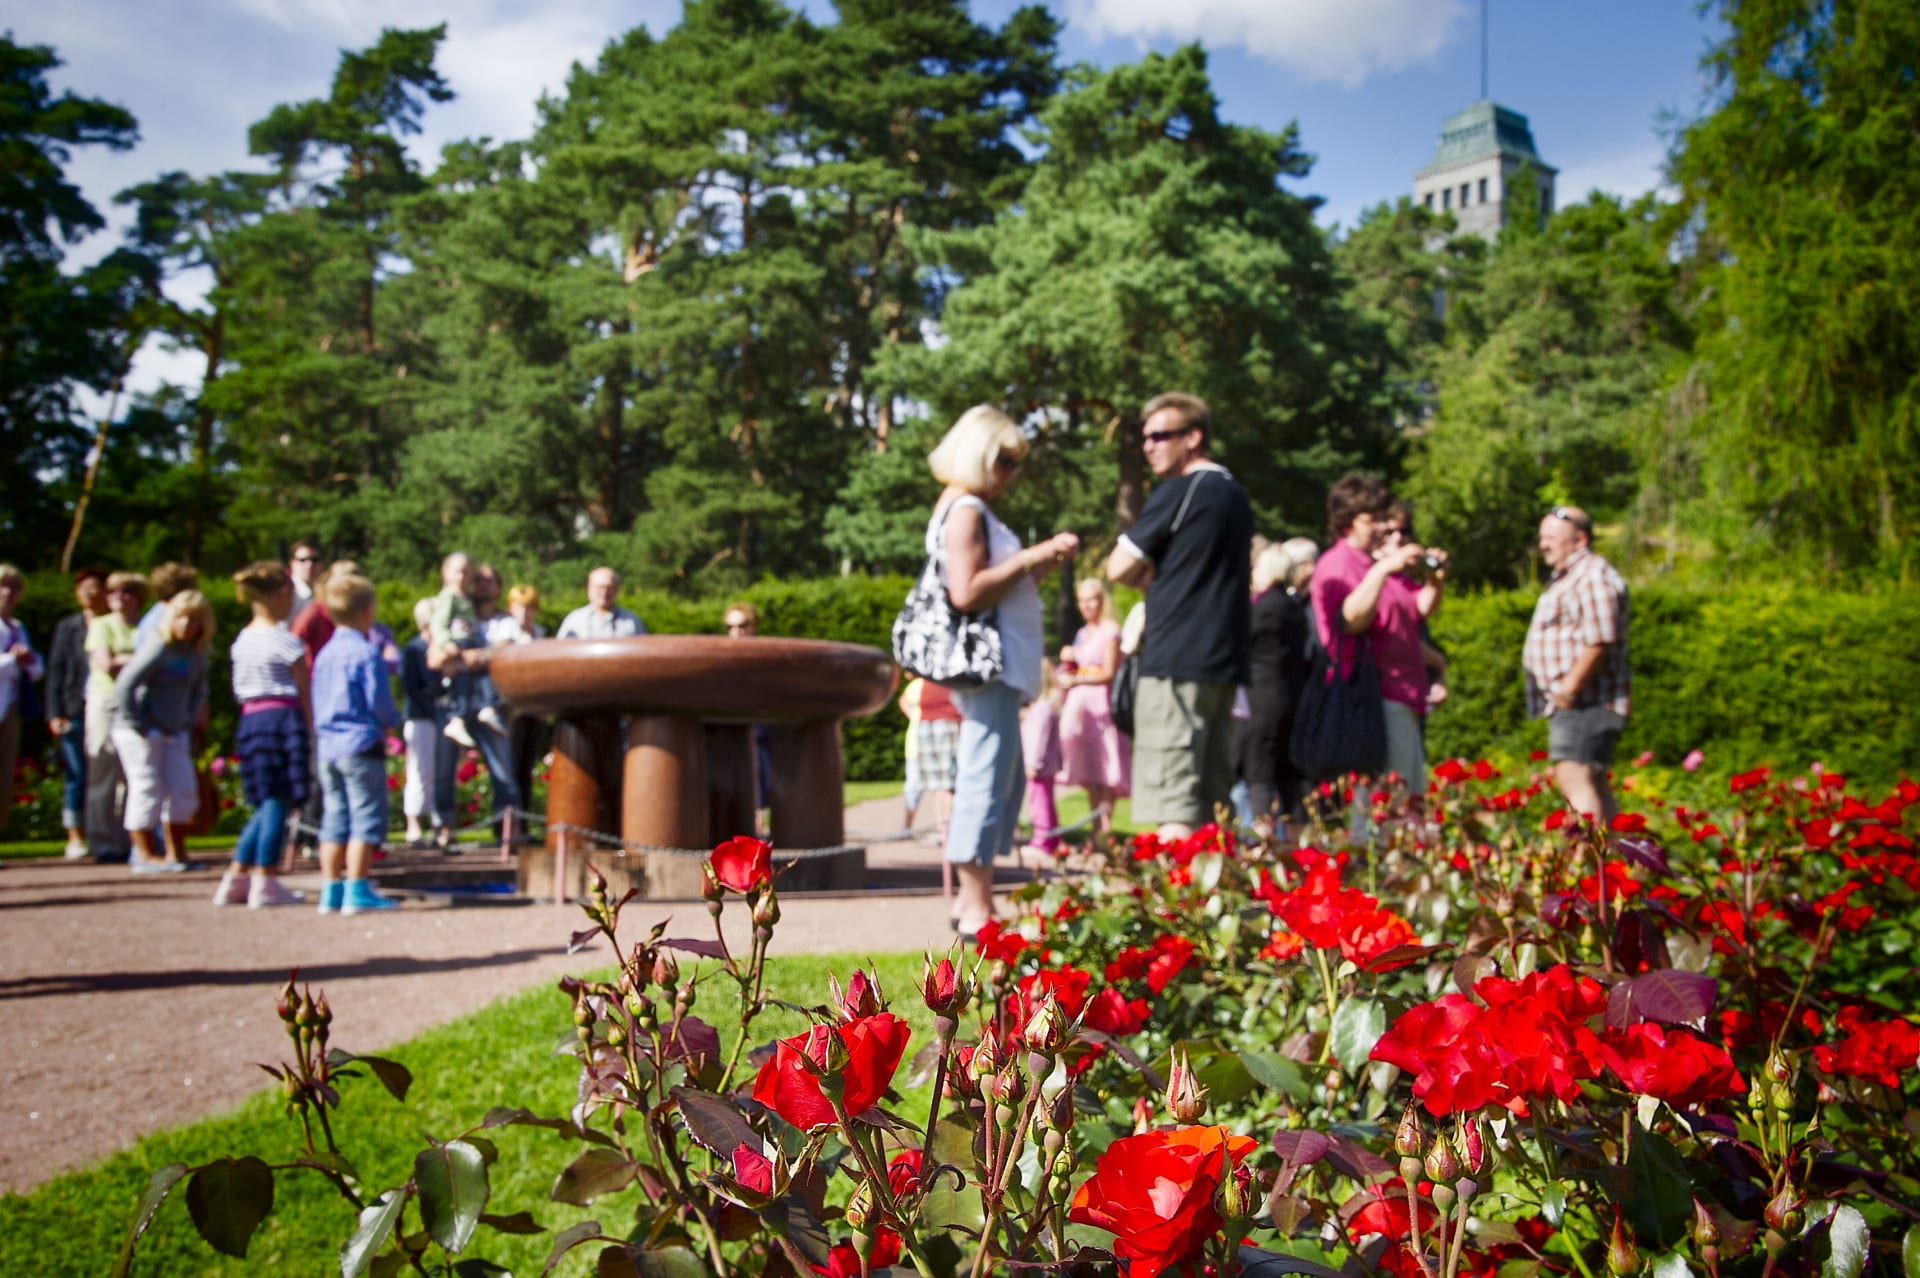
[[1092, 751]]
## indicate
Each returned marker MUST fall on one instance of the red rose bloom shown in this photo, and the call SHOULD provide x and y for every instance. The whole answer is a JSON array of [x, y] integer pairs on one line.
[[844, 1262], [1367, 934], [1879, 1050], [743, 864], [1170, 954], [1154, 1193], [874, 1045], [1110, 1013], [903, 1172], [1671, 1065]]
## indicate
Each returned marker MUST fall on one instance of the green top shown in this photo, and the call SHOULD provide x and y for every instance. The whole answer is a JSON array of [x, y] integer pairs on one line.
[[454, 620], [1485, 128], [110, 635]]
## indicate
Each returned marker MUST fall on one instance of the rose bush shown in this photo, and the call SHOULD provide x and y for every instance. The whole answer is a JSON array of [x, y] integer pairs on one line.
[[1498, 1041]]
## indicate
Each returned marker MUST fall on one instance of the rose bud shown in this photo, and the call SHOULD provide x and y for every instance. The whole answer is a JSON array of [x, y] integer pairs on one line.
[[289, 1003], [986, 1059], [1186, 1099], [1441, 1165], [1785, 1212], [1048, 1030], [1009, 1085], [1410, 1135], [1234, 1197], [942, 987], [960, 1079], [1142, 1116], [666, 970], [596, 886], [860, 1207], [1471, 1147], [1705, 1230], [861, 999], [710, 887], [766, 909], [1623, 1258]]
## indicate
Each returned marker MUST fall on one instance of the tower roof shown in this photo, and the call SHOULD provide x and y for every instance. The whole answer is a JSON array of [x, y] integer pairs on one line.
[[1485, 128]]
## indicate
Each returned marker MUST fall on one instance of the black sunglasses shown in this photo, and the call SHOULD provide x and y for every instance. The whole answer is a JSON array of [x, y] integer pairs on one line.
[[1162, 436]]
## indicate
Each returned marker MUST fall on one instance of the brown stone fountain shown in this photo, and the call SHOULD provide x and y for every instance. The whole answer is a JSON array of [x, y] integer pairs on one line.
[[653, 740]]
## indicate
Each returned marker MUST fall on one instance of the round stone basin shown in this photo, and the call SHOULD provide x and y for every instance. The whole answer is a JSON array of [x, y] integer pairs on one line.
[[709, 677], [653, 739]]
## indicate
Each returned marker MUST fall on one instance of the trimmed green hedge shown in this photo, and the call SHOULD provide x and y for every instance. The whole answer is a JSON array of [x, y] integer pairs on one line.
[[1776, 674], [849, 609], [1754, 674]]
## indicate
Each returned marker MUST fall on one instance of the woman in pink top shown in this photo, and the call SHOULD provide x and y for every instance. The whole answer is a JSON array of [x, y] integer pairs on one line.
[[1360, 599], [1093, 756]]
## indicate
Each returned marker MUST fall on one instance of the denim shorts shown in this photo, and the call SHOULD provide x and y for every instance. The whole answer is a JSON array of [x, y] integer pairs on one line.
[[1587, 734], [354, 799]]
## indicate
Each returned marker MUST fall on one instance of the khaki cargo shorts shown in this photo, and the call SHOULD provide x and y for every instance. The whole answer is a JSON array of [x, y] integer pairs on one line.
[[1182, 750]]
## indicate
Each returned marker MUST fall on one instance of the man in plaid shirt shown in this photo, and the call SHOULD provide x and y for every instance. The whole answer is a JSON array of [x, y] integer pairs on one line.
[[1576, 662]]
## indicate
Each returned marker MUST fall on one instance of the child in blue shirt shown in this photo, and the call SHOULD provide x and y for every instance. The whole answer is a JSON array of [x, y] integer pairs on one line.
[[353, 712]]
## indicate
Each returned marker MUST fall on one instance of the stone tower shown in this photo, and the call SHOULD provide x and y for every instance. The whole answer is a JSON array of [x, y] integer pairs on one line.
[[1481, 151]]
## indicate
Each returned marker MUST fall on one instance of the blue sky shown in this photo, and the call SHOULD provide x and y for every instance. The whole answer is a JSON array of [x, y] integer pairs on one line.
[[1368, 81]]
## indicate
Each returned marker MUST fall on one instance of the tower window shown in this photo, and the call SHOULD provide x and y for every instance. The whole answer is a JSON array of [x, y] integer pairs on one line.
[[1463, 195], [1446, 198], [1427, 199], [1483, 190]]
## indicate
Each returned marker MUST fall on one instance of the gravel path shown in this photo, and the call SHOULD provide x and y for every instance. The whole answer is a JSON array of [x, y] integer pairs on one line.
[[131, 1004]]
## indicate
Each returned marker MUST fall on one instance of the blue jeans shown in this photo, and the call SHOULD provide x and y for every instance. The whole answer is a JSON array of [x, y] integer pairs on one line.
[[259, 845], [73, 767], [988, 775], [354, 803], [496, 752]]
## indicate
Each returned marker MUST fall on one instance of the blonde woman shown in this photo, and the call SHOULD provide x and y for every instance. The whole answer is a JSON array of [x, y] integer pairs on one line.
[[1092, 754], [160, 700], [986, 568]]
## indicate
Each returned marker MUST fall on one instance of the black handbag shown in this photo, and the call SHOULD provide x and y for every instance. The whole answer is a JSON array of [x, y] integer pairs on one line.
[[938, 642], [1122, 692], [1340, 726]]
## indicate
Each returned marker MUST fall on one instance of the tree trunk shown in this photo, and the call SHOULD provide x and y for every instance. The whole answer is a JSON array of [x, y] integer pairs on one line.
[[1132, 494], [215, 347]]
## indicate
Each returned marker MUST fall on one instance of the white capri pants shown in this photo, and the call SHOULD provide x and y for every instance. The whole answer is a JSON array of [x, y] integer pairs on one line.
[[423, 738], [160, 780]]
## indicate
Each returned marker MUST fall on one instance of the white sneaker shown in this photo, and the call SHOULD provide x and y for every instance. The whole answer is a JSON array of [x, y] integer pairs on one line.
[[77, 852], [456, 732], [489, 717]]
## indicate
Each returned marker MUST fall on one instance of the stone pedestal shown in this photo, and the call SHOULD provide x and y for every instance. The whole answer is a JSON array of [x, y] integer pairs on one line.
[[682, 776]]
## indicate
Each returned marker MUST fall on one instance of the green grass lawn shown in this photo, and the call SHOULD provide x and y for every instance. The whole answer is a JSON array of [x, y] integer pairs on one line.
[[501, 1055]]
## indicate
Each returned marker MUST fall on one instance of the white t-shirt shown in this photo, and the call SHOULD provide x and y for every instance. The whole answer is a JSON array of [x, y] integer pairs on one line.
[[585, 623], [263, 658], [1021, 630]]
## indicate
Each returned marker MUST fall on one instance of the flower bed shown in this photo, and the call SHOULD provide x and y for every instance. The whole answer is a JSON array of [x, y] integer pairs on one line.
[[1502, 1042]]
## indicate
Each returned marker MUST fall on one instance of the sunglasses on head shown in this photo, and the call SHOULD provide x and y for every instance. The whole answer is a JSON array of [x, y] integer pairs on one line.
[[1577, 518]]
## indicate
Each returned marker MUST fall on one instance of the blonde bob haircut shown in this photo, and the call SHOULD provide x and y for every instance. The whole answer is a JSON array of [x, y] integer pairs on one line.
[[189, 603], [347, 595], [965, 456]]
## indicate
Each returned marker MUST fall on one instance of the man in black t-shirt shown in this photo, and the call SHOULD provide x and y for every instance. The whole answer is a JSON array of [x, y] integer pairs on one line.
[[1190, 549]]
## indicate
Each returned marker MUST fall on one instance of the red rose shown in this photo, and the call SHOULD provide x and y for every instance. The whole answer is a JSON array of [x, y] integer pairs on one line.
[[753, 1169], [743, 864], [844, 1262], [874, 1046], [1154, 1193], [903, 1172], [1367, 934], [1111, 1013], [1879, 1050], [1170, 954], [1671, 1065]]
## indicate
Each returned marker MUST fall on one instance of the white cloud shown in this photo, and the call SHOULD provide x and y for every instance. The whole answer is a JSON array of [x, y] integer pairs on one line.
[[1336, 41]]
